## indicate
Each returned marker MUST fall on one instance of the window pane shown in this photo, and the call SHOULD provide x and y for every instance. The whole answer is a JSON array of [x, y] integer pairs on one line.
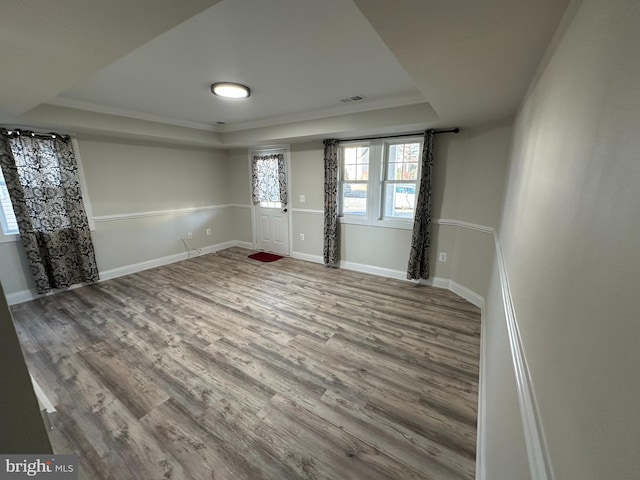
[[7, 217], [403, 161], [399, 200], [354, 198], [355, 163], [271, 204], [267, 179]]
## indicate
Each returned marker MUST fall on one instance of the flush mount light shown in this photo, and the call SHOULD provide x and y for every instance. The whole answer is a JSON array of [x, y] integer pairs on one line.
[[230, 90]]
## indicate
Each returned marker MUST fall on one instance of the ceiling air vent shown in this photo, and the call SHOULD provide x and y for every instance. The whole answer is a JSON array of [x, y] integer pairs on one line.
[[355, 98]]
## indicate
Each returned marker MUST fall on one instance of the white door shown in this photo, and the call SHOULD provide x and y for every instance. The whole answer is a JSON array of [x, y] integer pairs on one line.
[[272, 228], [269, 195]]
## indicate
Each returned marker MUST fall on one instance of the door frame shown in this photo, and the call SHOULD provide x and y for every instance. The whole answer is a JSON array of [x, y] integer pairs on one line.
[[268, 150]]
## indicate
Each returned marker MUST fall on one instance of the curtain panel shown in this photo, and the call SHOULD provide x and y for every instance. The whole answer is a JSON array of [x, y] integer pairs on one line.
[[418, 267], [269, 179], [331, 203], [43, 183]]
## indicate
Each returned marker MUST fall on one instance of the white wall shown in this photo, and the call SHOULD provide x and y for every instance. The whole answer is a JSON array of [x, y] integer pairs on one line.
[[136, 178], [469, 176], [569, 231], [238, 185]]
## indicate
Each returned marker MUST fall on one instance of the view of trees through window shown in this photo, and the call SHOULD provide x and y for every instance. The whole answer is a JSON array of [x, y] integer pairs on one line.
[[355, 177], [378, 181], [401, 177]]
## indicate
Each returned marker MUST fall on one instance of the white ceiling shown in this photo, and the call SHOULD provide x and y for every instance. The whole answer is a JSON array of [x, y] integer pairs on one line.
[[297, 56], [472, 60], [454, 62], [49, 46]]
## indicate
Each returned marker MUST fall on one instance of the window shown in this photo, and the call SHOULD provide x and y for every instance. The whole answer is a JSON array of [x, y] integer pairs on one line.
[[402, 163], [354, 179], [268, 180], [378, 182], [7, 217]]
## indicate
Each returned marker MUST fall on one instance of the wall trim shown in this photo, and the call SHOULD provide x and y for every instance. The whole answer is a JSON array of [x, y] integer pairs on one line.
[[27, 295], [373, 270], [47, 409], [308, 211], [537, 451], [147, 264], [308, 257], [481, 429], [466, 293], [463, 224], [172, 211], [241, 244], [437, 282]]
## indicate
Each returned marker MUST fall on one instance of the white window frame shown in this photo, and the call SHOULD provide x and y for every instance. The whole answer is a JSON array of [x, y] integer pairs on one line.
[[385, 181], [346, 218], [5, 237], [378, 158]]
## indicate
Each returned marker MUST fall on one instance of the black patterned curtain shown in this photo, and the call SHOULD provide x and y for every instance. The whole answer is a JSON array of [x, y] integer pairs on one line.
[[42, 178], [421, 239], [331, 203], [269, 179]]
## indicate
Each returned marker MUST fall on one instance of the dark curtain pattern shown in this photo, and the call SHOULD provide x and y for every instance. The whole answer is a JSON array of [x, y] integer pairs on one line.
[[421, 239], [269, 179], [331, 203], [44, 186]]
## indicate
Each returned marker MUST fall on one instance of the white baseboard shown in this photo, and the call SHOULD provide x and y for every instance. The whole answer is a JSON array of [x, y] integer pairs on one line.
[[481, 431], [138, 267], [46, 406], [466, 293], [20, 297], [241, 244], [373, 270], [27, 295], [308, 257]]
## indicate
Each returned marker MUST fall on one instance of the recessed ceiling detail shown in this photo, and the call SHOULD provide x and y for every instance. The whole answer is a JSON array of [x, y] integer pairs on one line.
[[327, 49]]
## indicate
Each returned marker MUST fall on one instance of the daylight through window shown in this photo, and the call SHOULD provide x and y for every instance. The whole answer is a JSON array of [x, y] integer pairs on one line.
[[355, 179], [401, 177], [7, 217], [379, 180]]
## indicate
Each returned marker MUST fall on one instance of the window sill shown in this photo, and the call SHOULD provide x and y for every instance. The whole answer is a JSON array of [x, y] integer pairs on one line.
[[384, 223], [9, 238]]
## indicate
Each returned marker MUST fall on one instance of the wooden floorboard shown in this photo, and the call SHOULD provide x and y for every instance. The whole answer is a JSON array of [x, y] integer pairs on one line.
[[223, 367]]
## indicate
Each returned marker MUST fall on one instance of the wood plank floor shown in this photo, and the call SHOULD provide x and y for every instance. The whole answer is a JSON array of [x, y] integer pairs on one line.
[[221, 367]]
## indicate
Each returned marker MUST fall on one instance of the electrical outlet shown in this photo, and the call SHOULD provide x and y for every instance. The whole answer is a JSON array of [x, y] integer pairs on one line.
[[208, 231], [302, 199], [190, 235], [443, 257], [302, 236]]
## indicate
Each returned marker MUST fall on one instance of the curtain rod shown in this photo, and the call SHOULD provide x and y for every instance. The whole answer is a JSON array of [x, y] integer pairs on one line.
[[447, 130], [16, 132]]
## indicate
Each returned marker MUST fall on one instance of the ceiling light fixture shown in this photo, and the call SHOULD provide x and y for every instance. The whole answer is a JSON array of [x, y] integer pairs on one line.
[[230, 90]]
